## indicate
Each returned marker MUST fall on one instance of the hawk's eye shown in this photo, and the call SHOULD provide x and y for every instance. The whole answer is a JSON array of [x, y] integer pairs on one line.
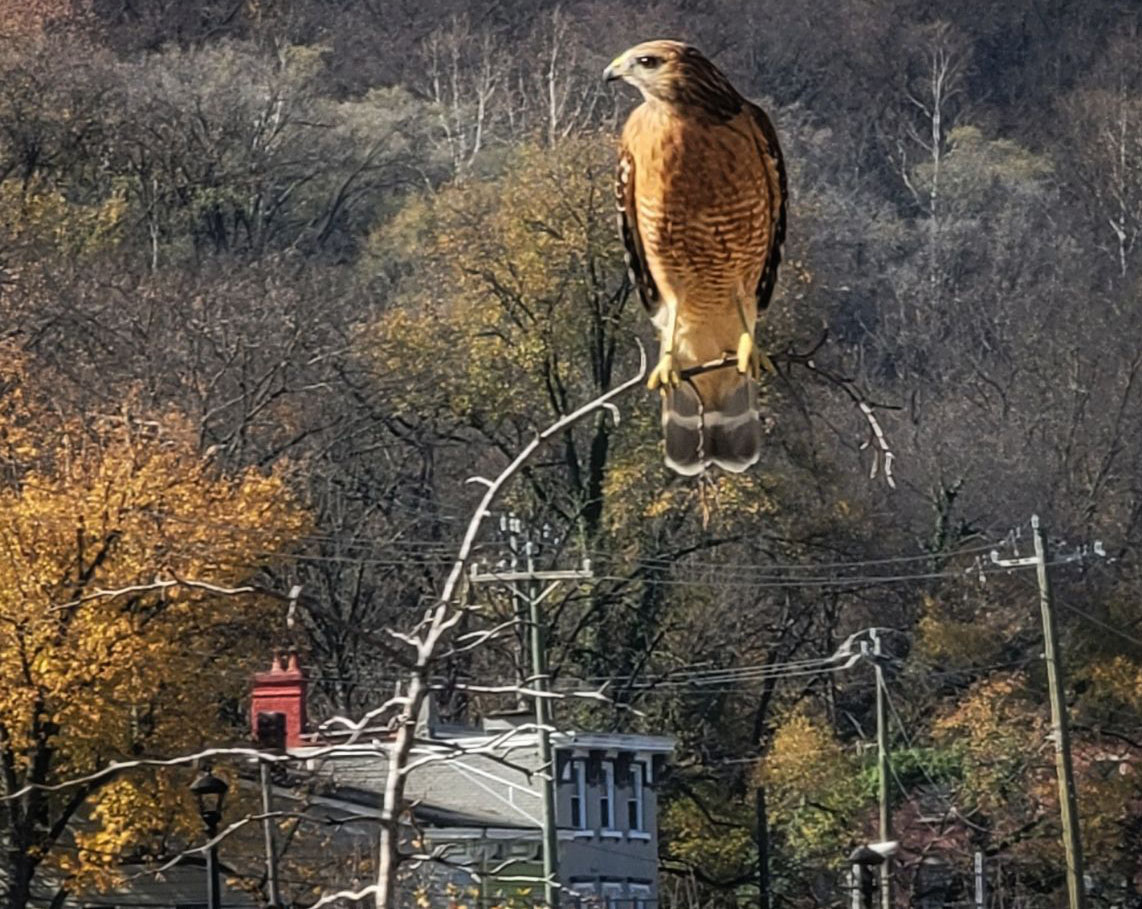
[[648, 61]]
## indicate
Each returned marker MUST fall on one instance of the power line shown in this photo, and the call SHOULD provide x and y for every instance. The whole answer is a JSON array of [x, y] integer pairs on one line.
[[684, 675], [359, 542], [822, 582], [1101, 624], [809, 566], [735, 681], [703, 577]]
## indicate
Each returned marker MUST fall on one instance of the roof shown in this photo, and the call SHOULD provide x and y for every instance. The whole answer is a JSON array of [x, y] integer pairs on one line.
[[425, 813], [475, 738], [479, 779]]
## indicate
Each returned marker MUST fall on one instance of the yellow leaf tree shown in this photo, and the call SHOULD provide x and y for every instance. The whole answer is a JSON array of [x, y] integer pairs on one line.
[[512, 309], [98, 660], [816, 790]]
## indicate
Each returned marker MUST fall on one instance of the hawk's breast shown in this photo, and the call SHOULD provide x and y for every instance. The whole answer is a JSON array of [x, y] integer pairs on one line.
[[704, 207]]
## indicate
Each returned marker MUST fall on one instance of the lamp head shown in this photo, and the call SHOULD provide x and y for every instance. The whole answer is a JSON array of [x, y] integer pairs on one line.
[[210, 792]]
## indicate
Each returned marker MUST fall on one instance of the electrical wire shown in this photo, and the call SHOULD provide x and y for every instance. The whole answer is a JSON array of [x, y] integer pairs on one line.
[[743, 678], [744, 568], [686, 673], [704, 577], [822, 582], [704, 679], [809, 566], [735, 681], [1101, 624]]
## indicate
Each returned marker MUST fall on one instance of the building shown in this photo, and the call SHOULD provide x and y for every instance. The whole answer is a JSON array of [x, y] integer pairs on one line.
[[477, 797]]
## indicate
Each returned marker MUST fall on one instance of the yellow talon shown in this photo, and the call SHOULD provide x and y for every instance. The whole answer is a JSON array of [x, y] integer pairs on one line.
[[664, 373], [747, 355], [751, 359], [745, 352]]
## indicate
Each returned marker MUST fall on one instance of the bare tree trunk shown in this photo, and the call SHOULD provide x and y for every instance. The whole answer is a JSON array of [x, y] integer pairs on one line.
[[464, 73], [389, 854]]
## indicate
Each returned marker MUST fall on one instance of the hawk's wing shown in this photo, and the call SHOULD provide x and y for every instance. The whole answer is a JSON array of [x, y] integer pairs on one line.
[[770, 151], [628, 228]]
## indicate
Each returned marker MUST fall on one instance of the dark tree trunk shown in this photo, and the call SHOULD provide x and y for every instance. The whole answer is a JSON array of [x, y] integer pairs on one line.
[[19, 869]]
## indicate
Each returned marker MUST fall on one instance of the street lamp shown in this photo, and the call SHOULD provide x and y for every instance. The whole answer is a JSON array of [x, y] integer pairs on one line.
[[210, 792], [863, 860]]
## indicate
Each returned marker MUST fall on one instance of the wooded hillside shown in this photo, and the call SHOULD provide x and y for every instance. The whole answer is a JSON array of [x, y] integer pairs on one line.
[[277, 276]]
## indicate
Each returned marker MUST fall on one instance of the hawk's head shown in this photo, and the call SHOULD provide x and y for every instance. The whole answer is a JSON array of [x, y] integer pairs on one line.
[[675, 73]]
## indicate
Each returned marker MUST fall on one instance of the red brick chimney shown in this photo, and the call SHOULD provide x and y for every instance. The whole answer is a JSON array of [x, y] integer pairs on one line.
[[277, 704]]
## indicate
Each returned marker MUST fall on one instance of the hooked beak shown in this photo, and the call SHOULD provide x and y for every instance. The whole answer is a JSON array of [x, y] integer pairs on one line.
[[613, 72]]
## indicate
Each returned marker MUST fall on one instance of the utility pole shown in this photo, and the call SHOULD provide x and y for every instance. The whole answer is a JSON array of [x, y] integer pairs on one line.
[[513, 526], [762, 850], [268, 833], [980, 881], [542, 717], [1068, 802], [882, 768], [539, 684]]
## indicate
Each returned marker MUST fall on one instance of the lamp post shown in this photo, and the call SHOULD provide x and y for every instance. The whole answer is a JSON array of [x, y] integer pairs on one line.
[[862, 861], [210, 792]]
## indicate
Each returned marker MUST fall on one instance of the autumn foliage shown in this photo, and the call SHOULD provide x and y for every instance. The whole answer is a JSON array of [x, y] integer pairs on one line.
[[100, 660]]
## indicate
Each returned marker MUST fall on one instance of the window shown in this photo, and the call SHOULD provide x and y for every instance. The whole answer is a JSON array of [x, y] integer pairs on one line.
[[640, 896], [522, 850], [612, 894], [607, 797], [636, 806], [584, 895], [575, 772]]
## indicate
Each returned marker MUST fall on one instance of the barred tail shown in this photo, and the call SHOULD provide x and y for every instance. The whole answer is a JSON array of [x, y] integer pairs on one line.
[[726, 431]]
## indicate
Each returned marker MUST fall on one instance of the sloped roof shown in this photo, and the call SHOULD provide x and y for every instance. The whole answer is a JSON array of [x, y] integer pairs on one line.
[[426, 813]]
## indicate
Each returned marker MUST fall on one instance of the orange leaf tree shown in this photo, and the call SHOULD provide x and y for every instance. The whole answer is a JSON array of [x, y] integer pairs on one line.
[[89, 672]]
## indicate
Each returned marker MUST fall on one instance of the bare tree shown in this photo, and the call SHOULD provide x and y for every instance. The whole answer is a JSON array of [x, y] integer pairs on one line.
[[934, 92], [933, 95], [464, 73], [438, 622], [1104, 121], [569, 90]]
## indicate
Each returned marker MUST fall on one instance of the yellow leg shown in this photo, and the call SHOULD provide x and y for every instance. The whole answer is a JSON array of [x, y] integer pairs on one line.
[[750, 357], [746, 355], [665, 374]]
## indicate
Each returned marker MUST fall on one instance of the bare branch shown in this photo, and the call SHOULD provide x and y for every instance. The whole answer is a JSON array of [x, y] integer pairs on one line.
[[352, 895], [883, 456], [358, 726], [496, 485], [119, 766], [215, 840], [166, 585], [532, 693]]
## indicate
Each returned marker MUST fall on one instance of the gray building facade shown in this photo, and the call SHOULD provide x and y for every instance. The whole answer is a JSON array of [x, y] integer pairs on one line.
[[481, 787]]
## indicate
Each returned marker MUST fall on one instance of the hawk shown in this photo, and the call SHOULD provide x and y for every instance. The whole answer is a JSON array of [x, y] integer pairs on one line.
[[701, 195]]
